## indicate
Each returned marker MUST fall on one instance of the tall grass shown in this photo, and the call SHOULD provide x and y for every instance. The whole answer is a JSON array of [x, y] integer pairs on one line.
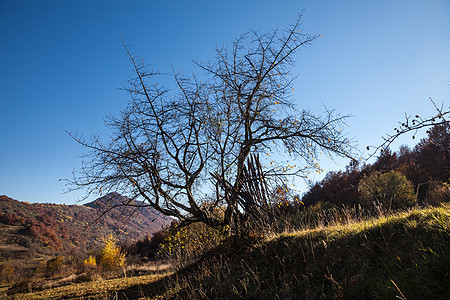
[[323, 215], [342, 253], [329, 253]]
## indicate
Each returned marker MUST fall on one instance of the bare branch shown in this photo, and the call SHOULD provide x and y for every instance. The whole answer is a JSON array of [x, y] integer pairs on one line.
[[177, 149]]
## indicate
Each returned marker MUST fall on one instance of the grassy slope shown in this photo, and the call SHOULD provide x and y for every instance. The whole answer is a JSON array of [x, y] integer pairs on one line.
[[406, 255], [94, 290]]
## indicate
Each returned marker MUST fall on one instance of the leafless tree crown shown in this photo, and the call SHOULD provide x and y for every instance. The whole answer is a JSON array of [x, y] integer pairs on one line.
[[181, 149]]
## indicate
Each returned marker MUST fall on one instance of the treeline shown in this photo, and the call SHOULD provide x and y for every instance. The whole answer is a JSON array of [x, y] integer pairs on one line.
[[426, 167]]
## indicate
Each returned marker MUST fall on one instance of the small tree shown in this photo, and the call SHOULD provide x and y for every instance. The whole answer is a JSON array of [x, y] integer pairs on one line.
[[189, 242], [390, 188], [171, 148], [111, 256]]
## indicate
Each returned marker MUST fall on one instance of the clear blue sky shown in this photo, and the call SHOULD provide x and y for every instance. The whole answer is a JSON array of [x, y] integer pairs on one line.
[[61, 62]]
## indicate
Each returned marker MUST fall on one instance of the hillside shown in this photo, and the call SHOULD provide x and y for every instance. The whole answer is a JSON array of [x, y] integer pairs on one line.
[[30, 230], [403, 256]]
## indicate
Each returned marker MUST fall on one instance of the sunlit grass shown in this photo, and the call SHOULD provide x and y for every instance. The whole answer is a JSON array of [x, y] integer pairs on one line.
[[406, 254], [102, 289], [411, 218]]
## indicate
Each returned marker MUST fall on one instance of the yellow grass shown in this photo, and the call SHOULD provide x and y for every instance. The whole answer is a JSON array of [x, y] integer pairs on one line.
[[353, 227], [103, 289]]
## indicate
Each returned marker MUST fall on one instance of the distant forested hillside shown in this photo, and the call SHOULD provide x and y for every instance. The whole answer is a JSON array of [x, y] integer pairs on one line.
[[28, 229], [426, 166]]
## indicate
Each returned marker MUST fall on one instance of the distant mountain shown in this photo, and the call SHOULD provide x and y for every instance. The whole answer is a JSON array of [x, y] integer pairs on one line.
[[136, 214], [28, 229]]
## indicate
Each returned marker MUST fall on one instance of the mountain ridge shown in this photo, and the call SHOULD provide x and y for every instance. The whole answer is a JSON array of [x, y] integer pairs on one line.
[[45, 229]]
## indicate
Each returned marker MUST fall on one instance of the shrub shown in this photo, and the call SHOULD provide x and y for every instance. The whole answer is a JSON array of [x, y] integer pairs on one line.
[[437, 193], [390, 188], [11, 219], [54, 265], [186, 243], [26, 280], [111, 256], [90, 262], [6, 273], [23, 285], [148, 246], [89, 276]]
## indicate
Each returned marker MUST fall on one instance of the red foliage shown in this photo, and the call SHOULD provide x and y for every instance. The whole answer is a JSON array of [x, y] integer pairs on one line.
[[11, 219], [44, 233], [428, 162]]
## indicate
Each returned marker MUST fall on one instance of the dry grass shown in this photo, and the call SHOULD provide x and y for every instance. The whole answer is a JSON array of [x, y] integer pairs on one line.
[[406, 254], [152, 267], [104, 289], [347, 255]]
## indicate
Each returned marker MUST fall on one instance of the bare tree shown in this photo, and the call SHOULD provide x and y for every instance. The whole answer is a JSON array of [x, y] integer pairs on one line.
[[187, 153]]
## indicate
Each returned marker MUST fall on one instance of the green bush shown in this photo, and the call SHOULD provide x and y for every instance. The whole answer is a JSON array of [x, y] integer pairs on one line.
[[391, 189]]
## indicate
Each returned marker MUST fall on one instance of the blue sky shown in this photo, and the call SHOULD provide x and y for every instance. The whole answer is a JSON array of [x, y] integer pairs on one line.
[[61, 63]]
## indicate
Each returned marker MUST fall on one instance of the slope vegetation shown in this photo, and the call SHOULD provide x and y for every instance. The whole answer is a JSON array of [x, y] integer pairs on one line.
[[404, 256], [43, 229]]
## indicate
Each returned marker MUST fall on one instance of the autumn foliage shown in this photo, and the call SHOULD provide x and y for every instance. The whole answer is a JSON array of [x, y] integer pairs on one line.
[[111, 257], [426, 167]]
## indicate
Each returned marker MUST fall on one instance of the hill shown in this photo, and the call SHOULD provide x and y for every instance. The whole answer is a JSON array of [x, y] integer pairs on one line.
[[403, 256], [43, 229]]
